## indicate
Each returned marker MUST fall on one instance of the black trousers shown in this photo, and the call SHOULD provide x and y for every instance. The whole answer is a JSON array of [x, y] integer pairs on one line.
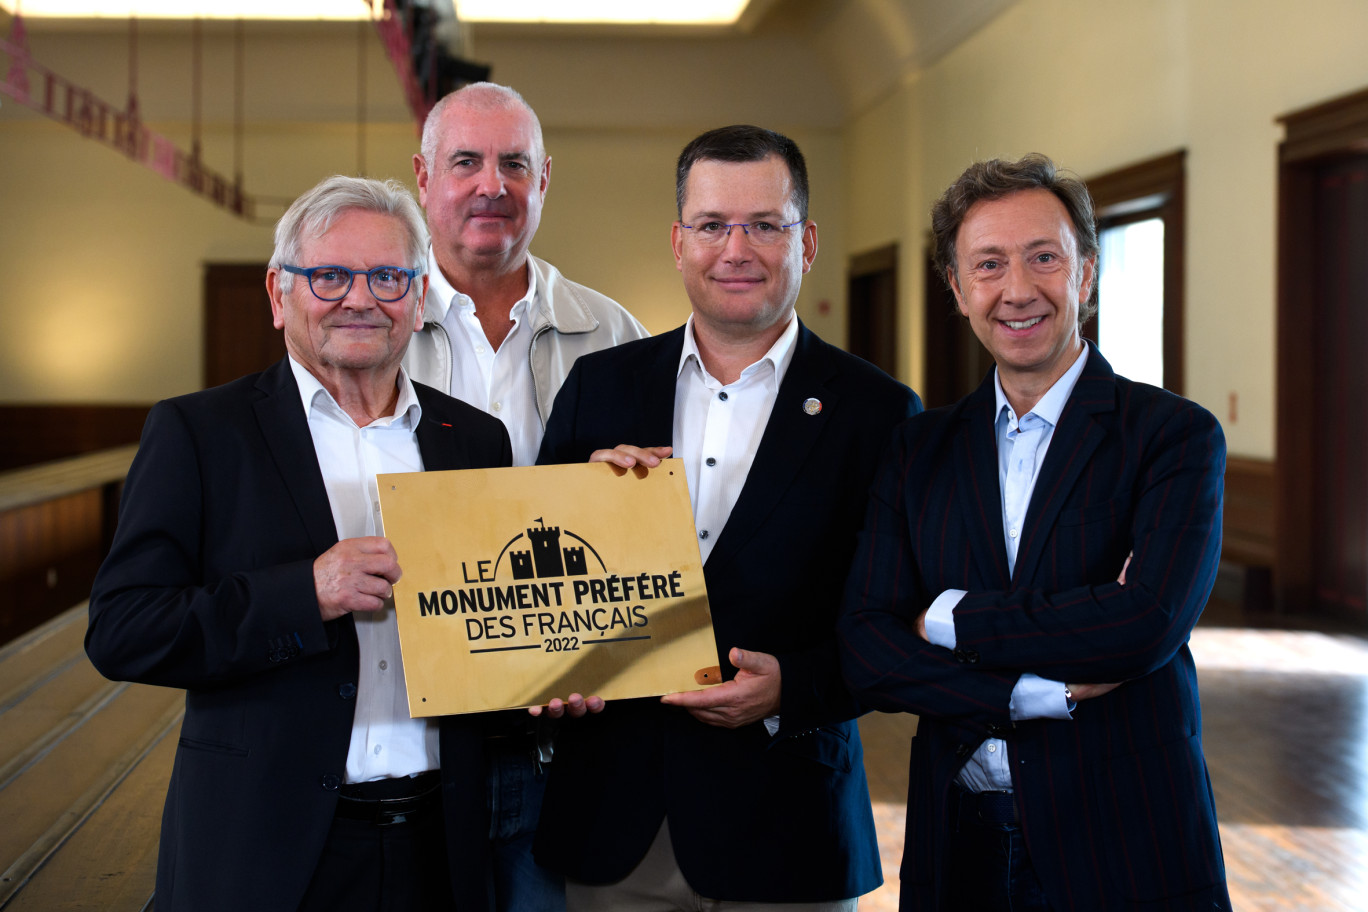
[[395, 867]]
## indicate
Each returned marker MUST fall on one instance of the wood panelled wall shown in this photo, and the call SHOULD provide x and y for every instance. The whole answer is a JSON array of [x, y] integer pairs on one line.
[[33, 434], [49, 553], [50, 548]]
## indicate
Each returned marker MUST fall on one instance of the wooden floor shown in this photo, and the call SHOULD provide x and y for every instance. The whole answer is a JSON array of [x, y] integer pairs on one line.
[[1285, 715]]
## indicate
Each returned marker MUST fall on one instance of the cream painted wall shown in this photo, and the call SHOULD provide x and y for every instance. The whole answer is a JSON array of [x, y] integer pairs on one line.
[[1098, 85], [121, 252], [882, 186], [126, 249]]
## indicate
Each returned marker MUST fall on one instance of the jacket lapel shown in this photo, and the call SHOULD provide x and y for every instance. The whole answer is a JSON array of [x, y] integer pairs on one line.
[[978, 495], [789, 437], [437, 440], [656, 374], [285, 429], [1071, 448]]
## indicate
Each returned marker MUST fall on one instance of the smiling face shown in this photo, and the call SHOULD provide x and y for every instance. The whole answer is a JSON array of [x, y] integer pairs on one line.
[[357, 334], [484, 189], [1019, 279], [738, 289]]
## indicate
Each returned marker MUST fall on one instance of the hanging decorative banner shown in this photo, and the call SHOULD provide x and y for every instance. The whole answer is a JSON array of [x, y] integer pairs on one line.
[[122, 129], [525, 584], [36, 87]]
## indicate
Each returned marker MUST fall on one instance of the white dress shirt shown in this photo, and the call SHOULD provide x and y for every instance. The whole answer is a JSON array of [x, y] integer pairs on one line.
[[495, 381], [1022, 442], [385, 742], [717, 429]]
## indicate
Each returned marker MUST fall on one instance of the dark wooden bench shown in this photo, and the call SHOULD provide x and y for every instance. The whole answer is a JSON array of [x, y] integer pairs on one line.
[[83, 770], [56, 522], [1249, 537]]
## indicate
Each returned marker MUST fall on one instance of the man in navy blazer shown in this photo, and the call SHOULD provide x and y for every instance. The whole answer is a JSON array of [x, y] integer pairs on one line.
[[1033, 561], [246, 569], [753, 791]]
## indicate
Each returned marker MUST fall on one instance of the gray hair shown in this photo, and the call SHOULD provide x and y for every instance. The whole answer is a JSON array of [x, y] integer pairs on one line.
[[480, 96], [314, 213]]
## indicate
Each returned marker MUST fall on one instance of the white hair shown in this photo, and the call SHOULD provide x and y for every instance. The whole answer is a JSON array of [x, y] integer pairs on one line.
[[479, 96], [314, 213]]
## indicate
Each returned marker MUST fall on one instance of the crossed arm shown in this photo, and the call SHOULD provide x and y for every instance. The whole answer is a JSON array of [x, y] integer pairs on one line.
[[1092, 634]]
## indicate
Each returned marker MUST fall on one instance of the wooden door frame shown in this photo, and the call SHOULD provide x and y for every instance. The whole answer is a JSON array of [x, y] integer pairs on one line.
[[1313, 137], [861, 265], [1155, 186], [226, 335]]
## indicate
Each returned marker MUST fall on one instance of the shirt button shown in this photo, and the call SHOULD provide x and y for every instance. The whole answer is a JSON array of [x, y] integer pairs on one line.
[[498, 406], [703, 534], [722, 396], [711, 461], [992, 749], [1012, 533], [383, 664], [479, 349], [377, 750]]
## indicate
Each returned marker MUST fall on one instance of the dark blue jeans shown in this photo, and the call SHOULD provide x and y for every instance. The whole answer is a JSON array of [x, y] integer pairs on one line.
[[516, 786], [987, 866]]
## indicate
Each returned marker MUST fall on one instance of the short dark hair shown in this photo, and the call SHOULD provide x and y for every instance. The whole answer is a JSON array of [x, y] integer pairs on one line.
[[996, 178], [743, 143]]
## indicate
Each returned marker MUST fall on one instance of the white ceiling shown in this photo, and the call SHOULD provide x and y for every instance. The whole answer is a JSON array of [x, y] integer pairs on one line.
[[865, 47]]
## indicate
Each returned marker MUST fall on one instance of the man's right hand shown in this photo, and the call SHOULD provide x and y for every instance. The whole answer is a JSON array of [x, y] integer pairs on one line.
[[356, 574], [626, 457], [1083, 692]]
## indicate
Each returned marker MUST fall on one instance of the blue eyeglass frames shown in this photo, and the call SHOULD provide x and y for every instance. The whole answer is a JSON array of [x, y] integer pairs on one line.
[[333, 283]]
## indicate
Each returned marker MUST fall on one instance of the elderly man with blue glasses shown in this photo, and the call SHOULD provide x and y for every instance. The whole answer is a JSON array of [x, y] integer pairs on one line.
[[250, 569]]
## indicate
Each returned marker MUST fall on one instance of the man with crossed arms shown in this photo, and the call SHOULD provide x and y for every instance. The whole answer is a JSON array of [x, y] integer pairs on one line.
[[1053, 533]]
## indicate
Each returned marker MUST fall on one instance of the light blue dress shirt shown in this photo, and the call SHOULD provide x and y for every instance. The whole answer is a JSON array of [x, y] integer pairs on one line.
[[1022, 442]]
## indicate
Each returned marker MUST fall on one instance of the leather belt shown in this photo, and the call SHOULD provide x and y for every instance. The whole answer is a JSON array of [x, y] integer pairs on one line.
[[994, 808], [386, 802]]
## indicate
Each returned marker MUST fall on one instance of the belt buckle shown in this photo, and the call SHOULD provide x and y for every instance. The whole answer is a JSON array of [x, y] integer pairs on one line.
[[388, 818]]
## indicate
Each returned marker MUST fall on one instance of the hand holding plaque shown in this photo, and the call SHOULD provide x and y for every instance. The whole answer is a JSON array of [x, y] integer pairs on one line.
[[524, 585]]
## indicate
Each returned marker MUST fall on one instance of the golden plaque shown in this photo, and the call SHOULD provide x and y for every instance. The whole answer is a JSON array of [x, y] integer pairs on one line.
[[525, 584]]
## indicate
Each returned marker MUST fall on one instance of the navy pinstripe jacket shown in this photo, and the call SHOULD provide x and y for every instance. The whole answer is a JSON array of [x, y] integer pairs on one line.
[[1115, 804]]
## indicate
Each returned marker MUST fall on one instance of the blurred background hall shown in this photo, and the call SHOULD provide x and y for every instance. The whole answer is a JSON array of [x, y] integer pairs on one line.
[[144, 160]]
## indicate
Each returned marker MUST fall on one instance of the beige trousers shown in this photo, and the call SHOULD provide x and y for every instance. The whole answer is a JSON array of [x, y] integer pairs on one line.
[[657, 885]]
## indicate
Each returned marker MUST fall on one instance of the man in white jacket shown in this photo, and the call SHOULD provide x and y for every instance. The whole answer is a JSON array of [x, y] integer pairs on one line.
[[501, 330]]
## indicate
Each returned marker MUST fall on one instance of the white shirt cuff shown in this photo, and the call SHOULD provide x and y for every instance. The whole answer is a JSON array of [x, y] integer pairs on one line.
[[940, 618]]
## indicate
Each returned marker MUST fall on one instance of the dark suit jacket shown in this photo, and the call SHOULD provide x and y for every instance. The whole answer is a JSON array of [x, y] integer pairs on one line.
[[1115, 804], [209, 586], [783, 819]]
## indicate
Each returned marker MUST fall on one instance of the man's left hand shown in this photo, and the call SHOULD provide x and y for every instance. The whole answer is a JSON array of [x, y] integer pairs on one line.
[[749, 697], [574, 707]]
